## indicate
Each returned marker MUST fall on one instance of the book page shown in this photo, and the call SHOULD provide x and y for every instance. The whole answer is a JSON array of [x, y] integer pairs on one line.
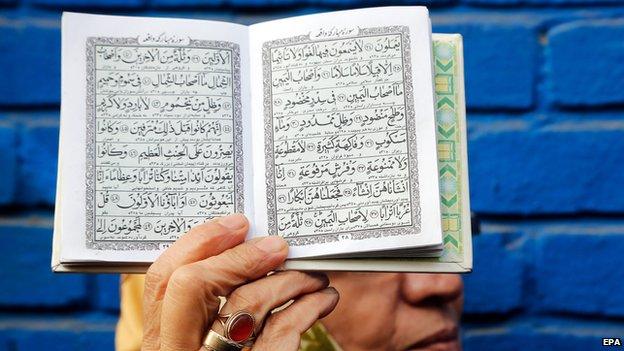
[[346, 139], [453, 165], [152, 132]]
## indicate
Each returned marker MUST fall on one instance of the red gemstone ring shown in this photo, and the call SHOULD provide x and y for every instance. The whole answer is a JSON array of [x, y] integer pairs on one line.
[[239, 327]]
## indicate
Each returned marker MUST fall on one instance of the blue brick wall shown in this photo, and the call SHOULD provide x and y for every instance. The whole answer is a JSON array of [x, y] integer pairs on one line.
[[593, 44], [545, 96], [8, 158], [31, 56]]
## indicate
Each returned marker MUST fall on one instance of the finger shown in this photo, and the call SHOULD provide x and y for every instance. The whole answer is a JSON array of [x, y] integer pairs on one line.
[[191, 299], [202, 241], [284, 328], [266, 294]]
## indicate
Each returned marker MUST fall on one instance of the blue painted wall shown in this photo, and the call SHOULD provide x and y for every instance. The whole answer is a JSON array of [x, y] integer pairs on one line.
[[545, 90]]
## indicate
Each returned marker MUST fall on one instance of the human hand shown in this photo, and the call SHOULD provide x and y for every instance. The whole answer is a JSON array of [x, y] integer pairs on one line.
[[182, 289]]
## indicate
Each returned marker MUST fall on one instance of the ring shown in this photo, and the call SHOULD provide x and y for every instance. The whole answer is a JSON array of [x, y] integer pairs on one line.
[[215, 342], [238, 327]]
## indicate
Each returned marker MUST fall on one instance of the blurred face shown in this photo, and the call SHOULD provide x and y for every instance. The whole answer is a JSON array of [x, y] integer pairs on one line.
[[396, 311]]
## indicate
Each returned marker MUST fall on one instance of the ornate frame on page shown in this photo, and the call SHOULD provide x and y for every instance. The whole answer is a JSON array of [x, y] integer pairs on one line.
[[415, 226], [92, 242]]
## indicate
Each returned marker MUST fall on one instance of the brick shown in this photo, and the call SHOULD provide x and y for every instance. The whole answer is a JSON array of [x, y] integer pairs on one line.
[[38, 156], [575, 2], [107, 292], [30, 55], [58, 332], [500, 58], [253, 17], [187, 3], [527, 165], [337, 3], [8, 160], [530, 334], [27, 280], [512, 3], [265, 3], [65, 340], [580, 273], [581, 62], [89, 3], [495, 288], [5, 342], [494, 337], [357, 4], [509, 3]]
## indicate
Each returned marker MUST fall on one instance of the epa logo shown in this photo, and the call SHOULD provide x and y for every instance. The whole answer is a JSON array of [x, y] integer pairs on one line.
[[611, 342]]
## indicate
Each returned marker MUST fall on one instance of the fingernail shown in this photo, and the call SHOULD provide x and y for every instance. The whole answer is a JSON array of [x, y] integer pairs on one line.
[[330, 291], [335, 298], [234, 221], [320, 276], [271, 244]]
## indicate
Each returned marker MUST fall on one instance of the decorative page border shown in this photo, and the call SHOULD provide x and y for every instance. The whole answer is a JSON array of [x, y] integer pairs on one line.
[[91, 241], [415, 227], [450, 163]]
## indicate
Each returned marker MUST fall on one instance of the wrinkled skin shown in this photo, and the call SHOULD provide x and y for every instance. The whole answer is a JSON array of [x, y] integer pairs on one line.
[[377, 311], [394, 311]]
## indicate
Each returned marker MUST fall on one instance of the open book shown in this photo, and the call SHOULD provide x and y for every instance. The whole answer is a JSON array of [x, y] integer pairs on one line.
[[321, 129]]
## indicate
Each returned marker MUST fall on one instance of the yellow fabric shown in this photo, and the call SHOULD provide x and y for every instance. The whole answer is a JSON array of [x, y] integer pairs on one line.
[[130, 325], [318, 339], [129, 331]]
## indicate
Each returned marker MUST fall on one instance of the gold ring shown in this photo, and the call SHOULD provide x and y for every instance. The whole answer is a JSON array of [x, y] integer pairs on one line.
[[215, 342]]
